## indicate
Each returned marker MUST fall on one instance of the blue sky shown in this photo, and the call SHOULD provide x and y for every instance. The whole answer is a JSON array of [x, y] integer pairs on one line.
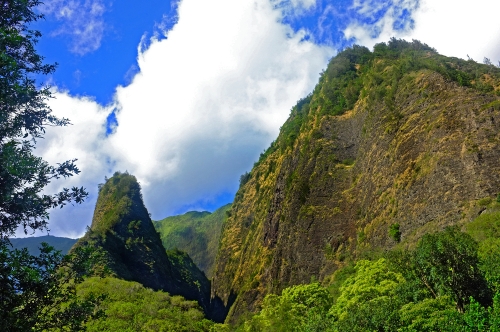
[[185, 95], [93, 63], [107, 58]]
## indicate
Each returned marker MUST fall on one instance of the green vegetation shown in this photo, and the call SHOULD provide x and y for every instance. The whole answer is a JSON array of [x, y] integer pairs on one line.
[[394, 232], [345, 177], [356, 72], [62, 244], [123, 230], [24, 115], [38, 293], [486, 230], [450, 281], [196, 233], [298, 308], [341, 84], [129, 306], [438, 286], [120, 197]]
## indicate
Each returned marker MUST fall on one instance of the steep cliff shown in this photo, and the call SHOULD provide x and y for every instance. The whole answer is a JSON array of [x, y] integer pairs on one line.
[[123, 229], [196, 233], [400, 138]]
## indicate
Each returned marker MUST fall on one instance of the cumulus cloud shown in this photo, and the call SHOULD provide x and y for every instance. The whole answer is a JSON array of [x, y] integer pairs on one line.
[[84, 139], [82, 21], [207, 99], [460, 28], [211, 93], [374, 21], [453, 28]]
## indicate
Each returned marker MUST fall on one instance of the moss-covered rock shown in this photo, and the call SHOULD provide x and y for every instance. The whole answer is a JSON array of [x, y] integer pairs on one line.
[[401, 135], [123, 229]]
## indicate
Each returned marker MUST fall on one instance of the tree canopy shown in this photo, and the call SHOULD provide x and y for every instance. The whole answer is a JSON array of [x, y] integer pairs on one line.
[[24, 116]]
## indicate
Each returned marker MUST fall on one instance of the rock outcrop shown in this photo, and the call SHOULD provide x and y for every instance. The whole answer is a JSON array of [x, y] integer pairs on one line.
[[123, 230], [399, 137]]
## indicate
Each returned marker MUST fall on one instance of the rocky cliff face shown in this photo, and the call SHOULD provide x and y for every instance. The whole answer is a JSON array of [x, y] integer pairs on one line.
[[400, 137], [123, 229]]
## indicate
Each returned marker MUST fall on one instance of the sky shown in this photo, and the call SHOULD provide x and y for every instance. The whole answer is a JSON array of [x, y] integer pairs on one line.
[[186, 94]]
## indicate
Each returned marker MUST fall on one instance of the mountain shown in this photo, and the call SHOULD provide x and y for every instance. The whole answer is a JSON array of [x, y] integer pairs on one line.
[[390, 145], [196, 233], [33, 244], [123, 230]]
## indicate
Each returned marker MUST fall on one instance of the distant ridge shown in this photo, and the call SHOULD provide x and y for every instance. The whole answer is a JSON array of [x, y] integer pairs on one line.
[[196, 233], [33, 244]]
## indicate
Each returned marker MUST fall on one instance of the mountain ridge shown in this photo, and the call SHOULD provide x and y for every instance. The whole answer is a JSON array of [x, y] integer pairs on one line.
[[400, 138], [33, 244], [123, 230], [197, 233]]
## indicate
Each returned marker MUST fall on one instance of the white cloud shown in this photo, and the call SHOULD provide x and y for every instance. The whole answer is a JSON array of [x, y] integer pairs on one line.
[[209, 99], [368, 29], [460, 28], [205, 102], [84, 139], [304, 4], [82, 20], [453, 28]]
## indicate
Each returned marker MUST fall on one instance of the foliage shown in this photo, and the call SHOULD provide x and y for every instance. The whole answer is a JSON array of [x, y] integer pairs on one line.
[[338, 278], [341, 83], [446, 263], [244, 179], [486, 230], [415, 55], [120, 196], [38, 292], [430, 314], [423, 289], [298, 308], [123, 229], [129, 306], [24, 115], [367, 300], [394, 232], [290, 130]]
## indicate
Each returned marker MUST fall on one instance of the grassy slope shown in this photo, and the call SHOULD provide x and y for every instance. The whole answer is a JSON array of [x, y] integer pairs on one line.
[[196, 233], [129, 306]]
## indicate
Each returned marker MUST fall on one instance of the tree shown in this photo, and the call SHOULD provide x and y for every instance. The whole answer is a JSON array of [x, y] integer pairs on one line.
[[39, 292], [446, 264], [367, 300], [298, 308], [36, 293], [24, 115]]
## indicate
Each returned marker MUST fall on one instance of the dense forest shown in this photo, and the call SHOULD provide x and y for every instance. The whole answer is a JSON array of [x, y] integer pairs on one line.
[[377, 208]]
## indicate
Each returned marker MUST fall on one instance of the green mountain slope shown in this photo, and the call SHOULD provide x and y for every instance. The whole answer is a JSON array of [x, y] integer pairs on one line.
[[390, 145], [196, 233], [33, 244], [122, 228]]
